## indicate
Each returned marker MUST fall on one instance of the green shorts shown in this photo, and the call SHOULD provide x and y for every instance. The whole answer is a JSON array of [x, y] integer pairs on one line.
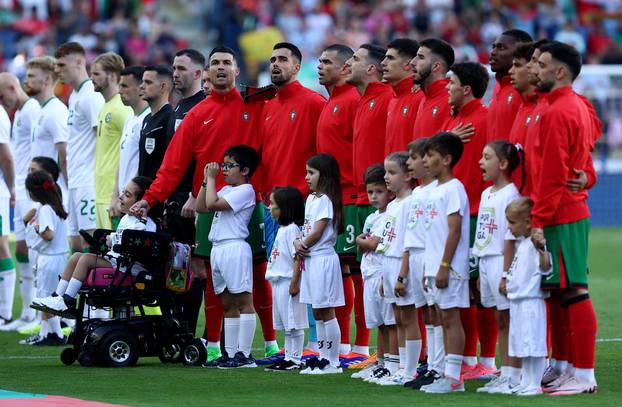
[[346, 241], [568, 244], [362, 212], [473, 260]]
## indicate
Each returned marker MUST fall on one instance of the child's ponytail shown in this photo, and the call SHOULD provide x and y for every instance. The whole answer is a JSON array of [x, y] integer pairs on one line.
[[329, 183], [45, 190], [513, 154]]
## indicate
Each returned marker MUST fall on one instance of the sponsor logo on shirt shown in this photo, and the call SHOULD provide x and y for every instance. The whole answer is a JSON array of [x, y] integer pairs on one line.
[[434, 111], [372, 103], [292, 115], [208, 121], [335, 109]]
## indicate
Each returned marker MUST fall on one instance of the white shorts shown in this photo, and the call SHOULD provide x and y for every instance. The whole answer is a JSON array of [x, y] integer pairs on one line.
[[5, 212], [321, 284], [287, 311], [490, 272], [49, 270], [81, 209], [455, 295], [415, 275], [232, 267], [527, 328], [377, 310], [22, 207], [391, 269]]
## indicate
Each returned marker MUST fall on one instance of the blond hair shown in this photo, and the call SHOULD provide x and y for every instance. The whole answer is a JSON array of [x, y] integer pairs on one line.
[[45, 63], [520, 206], [110, 62]]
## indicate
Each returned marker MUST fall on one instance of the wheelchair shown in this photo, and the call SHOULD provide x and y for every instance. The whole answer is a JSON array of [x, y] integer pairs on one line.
[[121, 340]]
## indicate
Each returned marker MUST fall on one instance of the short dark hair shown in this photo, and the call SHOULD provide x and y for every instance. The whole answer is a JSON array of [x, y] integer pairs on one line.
[[292, 205], [524, 51], [446, 143], [43, 189], [288, 45], [418, 146], [566, 54], [194, 55], [374, 174], [143, 185], [49, 165], [69, 48], [244, 155], [441, 49], [541, 43], [225, 50], [518, 35], [400, 158], [343, 51], [135, 72], [375, 55], [163, 72], [405, 47], [472, 74]]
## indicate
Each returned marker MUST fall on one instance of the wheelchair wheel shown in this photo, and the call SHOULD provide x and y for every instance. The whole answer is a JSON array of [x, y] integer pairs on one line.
[[170, 353], [68, 356], [118, 349], [194, 353], [87, 358]]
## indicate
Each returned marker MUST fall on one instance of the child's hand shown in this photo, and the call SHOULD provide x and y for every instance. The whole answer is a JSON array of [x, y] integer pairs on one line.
[[442, 277], [537, 237], [300, 249], [503, 290], [400, 289], [29, 215], [540, 245], [293, 289], [211, 170]]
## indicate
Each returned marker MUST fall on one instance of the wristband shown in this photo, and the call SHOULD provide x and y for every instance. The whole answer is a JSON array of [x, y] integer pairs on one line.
[[401, 279], [445, 264], [204, 184]]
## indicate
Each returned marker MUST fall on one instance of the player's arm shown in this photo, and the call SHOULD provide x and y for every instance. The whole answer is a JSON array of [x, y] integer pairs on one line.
[[6, 162], [61, 150], [454, 222]]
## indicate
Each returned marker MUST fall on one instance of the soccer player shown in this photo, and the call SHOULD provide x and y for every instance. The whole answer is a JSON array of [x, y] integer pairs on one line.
[[13, 98], [84, 106], [430, 66], [200, 137], [505, 99], [334, 136], [402, 110], [562, 216], [154, 135], [105, 74], [7, 200]]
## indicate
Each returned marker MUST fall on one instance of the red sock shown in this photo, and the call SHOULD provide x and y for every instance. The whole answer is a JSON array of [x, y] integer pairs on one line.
[[488, 331], [583, 326], [558, 330], [344, 313], [468, 316], [362, 333], [214, 312], [423, 334], [568, 334], [262, 300]]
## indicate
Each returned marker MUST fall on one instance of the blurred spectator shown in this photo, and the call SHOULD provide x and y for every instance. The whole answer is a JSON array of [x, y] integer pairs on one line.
[[571, 36]]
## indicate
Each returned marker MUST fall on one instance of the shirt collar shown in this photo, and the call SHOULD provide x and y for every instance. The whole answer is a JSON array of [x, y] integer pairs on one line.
[[225, 97], [436, 88], [405, 86], [559, 92], [289, 91], [467, 109]]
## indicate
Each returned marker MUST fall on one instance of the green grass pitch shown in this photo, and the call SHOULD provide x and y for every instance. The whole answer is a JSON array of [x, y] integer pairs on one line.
[[36, 370]]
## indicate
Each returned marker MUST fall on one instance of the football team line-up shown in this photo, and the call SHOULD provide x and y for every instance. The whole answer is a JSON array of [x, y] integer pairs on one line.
[[442, 222]]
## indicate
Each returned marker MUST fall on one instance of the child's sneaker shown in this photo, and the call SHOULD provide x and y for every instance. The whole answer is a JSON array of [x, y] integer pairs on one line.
[[379, 374], [52, 305], [283, 366], [31, 339], [15, 325], [398, 379], [549, 376], [428, 378], [310, 365], [502, 385], [50, 340], [478, 372], [444, 385], [571, 387], [238, 361], [497, 380], [530, 391], [324, 367], [365, 372]]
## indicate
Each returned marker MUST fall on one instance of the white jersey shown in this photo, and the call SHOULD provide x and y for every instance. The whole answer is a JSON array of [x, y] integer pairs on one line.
[[525, 275], [128, 155], [415, 230], [281, 260], [5, 137], [84, 107], [318, 208], [233, 224], [392, 238], [50, 129], [46, 218], [371, 261], [133, 223], [492, 225], [21, 131], [446, 199]]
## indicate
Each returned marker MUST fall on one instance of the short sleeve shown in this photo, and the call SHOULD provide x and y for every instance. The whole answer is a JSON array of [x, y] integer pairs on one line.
[[324, 208], [453, 201], [94, 105], [239, 198], [47, 219], [57, 126], [292, 232], [5, 127]]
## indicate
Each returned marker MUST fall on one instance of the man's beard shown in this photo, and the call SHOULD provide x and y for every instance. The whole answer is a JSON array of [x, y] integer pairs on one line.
[[420, 77]]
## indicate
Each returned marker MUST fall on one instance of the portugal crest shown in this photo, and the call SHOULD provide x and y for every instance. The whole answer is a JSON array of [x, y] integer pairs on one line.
[[434, 111], [372, 103], [528, 120], [245, 116], [335, 109], [404, 110], [510, 98], [292, 115]]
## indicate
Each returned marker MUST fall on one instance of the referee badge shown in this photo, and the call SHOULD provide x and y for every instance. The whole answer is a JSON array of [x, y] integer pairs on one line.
[[149, 145], [372, 104], [292, 115], [434, 111], [335, 109], [108, 117], [404, 111], [245, 116]]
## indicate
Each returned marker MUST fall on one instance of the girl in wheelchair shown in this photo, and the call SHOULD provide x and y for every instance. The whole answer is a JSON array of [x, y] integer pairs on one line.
[[63, 301]]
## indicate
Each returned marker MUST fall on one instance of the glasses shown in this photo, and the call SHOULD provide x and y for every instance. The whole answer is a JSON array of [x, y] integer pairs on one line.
[[228, 166]]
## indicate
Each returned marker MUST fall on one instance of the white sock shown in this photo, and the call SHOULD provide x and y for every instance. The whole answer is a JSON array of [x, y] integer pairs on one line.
[[413, 350], [27, 290], [560, 366], [401, 351], [213, 344], [570, 369], [470, 360], [429, 332], [345, 348], [248, 323], [73, 287], [61, 288], [267, 344], [525, 377], [488, 363], [321, 338], [7, 292], [313, 346], [361, 350], [333, 337], [538, 366], [45, 328], [54, 326], [514, 373], [439, 349], [505, 371], [391, 362], [287, 339], [232, 335], [297, 341], [585, 375], [453, 363]]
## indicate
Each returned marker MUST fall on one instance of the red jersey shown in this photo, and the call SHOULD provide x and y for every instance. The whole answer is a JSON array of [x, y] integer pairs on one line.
[[532, 159], [370, 124], [218, 122], [434, 110], [289, 137], [467, 169], [566, 137], [503, 107], [401, 116], [335, 134], [518, 135]]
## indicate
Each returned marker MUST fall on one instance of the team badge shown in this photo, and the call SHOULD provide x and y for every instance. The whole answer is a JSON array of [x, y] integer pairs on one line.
[[292, 115], [149, 145], [18, 122], [528, 120], [510, 98], [108, 117], [404, 111], [245, 116], [372, 104], [335, 109], [434, 111]]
